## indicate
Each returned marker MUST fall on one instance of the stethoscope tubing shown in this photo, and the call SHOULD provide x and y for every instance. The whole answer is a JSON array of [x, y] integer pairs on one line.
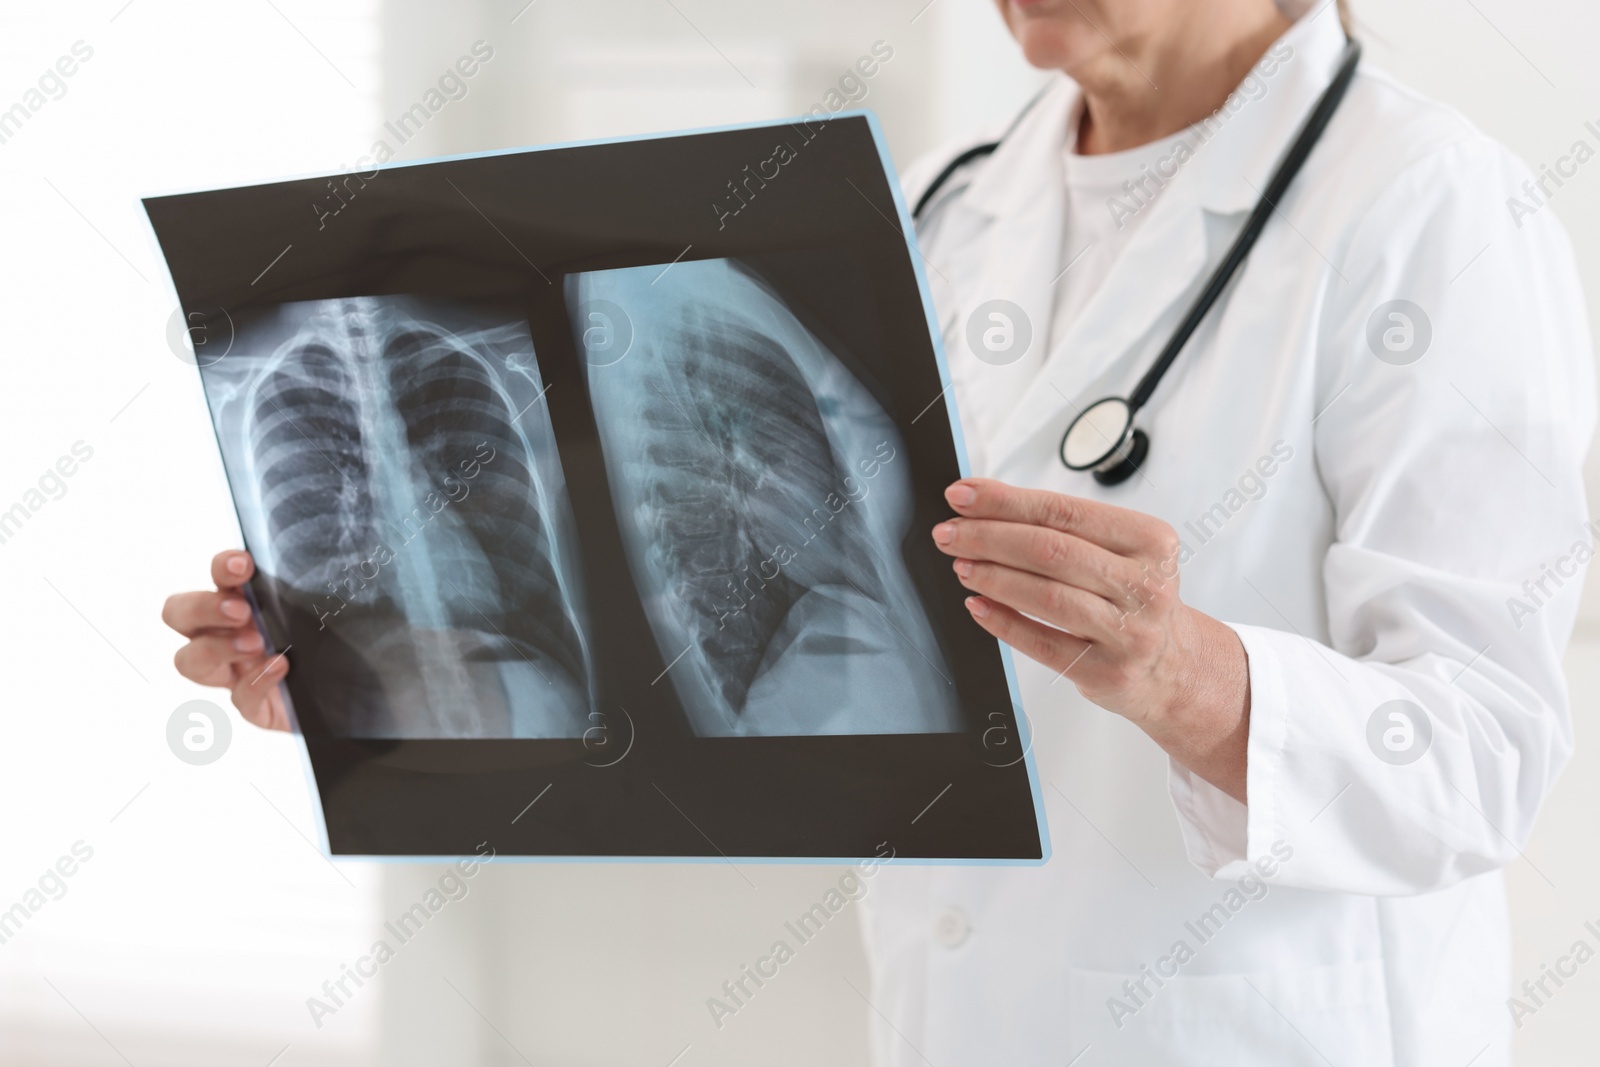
[[1289, 166]]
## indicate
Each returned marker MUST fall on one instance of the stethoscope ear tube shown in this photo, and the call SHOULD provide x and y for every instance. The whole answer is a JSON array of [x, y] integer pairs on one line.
[[1121, 449], [1102, 438], [977, 151], [1310, 132]]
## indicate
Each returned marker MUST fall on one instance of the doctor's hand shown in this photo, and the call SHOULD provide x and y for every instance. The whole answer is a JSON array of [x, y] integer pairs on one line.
[[224, 648], [1091, 591]]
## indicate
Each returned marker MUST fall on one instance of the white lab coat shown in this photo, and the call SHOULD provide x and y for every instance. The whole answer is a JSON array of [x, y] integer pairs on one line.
[[1406, 506]]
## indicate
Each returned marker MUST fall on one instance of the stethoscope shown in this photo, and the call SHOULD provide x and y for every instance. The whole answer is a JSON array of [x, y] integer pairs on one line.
[[1102, 437]]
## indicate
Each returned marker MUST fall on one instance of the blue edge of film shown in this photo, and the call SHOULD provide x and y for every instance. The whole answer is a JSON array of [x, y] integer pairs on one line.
[[903, 216]]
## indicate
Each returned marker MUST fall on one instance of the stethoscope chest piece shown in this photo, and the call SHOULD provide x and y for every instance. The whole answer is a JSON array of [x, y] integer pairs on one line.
[[1102, 439]]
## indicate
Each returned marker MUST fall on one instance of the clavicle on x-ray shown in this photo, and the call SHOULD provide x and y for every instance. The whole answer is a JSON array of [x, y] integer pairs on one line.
[[763, 496], [400, 481]]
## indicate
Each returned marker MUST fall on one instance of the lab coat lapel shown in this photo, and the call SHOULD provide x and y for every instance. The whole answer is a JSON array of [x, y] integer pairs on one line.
[[1015, 205], [1106, 350]]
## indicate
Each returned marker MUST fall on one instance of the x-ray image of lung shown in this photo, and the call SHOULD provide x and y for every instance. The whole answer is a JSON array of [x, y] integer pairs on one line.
[[398, 481], [763, 496]]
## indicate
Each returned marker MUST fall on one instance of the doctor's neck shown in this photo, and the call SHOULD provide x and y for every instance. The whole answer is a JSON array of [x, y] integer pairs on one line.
[[1147, 68]]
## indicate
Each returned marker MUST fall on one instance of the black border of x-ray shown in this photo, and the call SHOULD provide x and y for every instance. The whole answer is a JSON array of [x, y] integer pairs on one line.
[[933, 797]]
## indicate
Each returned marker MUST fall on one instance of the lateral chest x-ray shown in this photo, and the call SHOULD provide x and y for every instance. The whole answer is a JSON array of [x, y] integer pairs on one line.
[[762, 510], [557, 488]]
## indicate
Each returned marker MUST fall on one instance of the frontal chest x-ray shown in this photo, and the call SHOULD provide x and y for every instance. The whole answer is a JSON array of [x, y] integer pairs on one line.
[[404, 489]]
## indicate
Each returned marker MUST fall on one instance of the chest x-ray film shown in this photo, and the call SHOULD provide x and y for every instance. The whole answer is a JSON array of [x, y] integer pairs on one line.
[[590, 492]]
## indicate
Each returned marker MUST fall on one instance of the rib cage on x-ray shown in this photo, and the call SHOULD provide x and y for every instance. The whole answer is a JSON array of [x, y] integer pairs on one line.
[[729, 431], [406, 503]]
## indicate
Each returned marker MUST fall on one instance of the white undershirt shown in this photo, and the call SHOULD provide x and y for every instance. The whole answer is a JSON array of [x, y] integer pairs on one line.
[[1101, 215]]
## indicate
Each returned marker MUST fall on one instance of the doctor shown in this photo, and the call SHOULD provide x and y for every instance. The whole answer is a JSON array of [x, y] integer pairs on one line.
[[1295, 683]]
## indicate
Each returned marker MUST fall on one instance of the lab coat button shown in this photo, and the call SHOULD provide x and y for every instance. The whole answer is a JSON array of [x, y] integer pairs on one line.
[[951, 927]]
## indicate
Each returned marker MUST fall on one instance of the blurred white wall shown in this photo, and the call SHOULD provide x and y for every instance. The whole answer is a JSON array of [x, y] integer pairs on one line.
[[204, 920]]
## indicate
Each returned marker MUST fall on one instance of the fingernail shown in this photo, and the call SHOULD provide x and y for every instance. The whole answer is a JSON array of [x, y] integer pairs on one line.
[[248, 641], [237, 565], [978, 606], [278, 666], [960, 495], [963, 567], [235, 608], [944, 533]]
